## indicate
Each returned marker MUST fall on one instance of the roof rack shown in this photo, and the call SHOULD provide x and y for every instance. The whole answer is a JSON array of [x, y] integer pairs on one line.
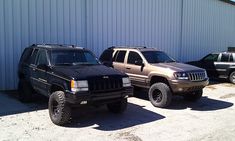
[[132, 47], [55, 45], [231, 49]]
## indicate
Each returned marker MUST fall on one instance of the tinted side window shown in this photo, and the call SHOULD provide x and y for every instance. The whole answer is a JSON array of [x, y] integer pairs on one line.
[[33, 56], [106, 55], [231, 58], [42, 57], [120, 56], [211, 57], [133, 57], [225, 57], [26, 55]]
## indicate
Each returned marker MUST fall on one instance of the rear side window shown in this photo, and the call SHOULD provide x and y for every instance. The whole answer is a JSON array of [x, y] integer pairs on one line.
[[26, 55], [225, 57], [120, 56], [33, 56], [42, 58], [133, 57], [231, 58], [106, 55]]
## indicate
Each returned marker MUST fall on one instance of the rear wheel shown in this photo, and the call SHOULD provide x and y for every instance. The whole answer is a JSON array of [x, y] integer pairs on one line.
[[118, 107], [160, 95], [25, 91], [232, 77], [59, 110], [193, 96]]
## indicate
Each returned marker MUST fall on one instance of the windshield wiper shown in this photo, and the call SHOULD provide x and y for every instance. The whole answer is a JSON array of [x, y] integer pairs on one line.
[[169, 61], [84, 63]]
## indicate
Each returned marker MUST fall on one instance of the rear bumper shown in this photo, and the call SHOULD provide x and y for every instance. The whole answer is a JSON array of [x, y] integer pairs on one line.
[[182, 86], [84, 98]]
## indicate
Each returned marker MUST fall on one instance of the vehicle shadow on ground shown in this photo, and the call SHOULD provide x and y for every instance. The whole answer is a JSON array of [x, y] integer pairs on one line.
[[97, 117], [204, 104], [10, 105], [103, 120]]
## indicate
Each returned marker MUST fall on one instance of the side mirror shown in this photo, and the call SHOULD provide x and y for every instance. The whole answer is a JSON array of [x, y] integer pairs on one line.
[[43, 67], [139, 62]]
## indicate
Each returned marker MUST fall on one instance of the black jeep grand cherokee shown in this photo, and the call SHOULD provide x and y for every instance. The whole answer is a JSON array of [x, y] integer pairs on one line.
[[70, 76]]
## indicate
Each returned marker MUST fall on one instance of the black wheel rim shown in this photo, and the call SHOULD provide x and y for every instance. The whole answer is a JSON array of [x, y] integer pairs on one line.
[[157, 95], [55, 108]]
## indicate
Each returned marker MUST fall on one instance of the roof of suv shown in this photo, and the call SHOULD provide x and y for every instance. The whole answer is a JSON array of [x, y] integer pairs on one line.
[[56, 46], [140, 48]]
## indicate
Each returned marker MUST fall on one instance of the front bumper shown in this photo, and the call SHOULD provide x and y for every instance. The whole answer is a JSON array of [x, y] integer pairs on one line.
[[82, 98], [182, 86]]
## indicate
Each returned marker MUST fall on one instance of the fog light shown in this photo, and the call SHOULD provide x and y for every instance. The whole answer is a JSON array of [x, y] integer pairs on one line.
[[180, 89], [83, 102]]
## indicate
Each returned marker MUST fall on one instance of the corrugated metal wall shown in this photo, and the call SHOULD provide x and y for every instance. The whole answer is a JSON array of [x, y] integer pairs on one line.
[[185, 29], [24, 22], [152, 23], [208, 26]]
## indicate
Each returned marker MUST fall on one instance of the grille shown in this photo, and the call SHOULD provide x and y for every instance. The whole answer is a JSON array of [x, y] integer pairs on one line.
[[196, 76], [105, 85]]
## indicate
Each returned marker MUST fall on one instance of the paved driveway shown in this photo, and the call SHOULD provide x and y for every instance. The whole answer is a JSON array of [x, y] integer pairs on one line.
[[211, 118]]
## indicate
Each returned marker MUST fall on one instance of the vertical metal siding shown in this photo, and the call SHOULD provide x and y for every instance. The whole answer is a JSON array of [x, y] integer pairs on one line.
[[24, 22], [208, 26], [185, 29], [153, 23]]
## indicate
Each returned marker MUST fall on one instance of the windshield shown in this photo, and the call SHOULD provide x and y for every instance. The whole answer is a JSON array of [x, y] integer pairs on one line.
[[72, 57], [157, 57]]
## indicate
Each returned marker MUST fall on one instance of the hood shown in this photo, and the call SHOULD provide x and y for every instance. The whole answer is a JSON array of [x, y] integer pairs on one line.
[[82, 72], [178, 67]]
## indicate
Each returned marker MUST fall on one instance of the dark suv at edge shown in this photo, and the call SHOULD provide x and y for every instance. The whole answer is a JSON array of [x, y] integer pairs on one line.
[[70, 76], [218, 65]]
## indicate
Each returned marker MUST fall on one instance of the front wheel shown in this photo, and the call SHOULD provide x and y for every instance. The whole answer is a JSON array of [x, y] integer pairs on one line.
[[59, 110], [160, 95], [193, 96], [232, 77], [118, 107]]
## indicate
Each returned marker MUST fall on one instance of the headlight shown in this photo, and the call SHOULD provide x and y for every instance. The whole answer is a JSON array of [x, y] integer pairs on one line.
[[126, 82], [181, 75], [77, 86]]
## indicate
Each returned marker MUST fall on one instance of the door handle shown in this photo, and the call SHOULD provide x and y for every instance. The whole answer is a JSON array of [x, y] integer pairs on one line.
[[128, 68]]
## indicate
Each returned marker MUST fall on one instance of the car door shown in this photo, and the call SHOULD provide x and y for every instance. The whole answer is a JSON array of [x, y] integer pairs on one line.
[[208, 63], [40, 72], [223, 65], [134, 68], [118, 60]]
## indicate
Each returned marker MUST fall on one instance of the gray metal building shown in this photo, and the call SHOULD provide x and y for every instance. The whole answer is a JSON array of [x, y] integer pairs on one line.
[[185, 29]]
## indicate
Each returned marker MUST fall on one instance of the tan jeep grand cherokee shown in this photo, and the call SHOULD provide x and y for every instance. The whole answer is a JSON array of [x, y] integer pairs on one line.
[[155, 70]]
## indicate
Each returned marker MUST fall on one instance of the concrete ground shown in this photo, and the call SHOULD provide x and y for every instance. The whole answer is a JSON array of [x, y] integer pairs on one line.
[[211, 118]]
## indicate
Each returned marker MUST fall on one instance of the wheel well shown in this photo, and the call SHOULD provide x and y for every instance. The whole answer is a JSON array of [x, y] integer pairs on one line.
[[232, 70], [156, 79], [56, 88]]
